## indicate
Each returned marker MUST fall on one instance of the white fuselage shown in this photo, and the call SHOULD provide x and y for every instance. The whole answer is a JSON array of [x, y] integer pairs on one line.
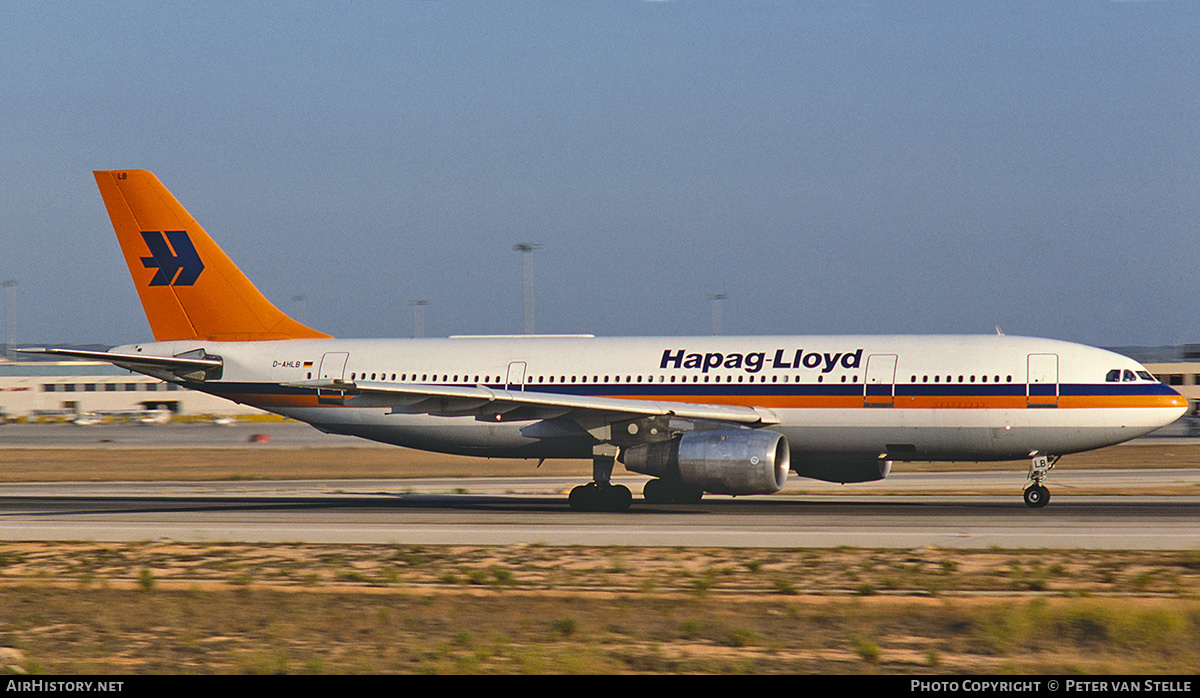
[[835, 397]]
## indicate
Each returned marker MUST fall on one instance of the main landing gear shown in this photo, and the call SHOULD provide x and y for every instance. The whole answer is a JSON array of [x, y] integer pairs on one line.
[[600, 494], [1036, 494], [662, 491]]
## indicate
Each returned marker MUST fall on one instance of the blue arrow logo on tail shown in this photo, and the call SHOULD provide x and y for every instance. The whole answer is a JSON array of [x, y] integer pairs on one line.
[[180, 257]]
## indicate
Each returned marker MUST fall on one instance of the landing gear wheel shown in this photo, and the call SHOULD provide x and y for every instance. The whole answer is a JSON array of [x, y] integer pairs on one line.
[[585, 497], [619, 498], [597, 497], [667, 492], [656, 492], [1036, 496]]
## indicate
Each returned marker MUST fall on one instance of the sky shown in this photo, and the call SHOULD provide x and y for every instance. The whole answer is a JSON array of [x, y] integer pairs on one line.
[[831, 167]]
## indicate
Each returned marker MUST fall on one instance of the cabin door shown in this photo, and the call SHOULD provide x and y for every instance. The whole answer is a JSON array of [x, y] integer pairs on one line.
[[879, 388], [333, 367], [516, 375], [1042, 386]]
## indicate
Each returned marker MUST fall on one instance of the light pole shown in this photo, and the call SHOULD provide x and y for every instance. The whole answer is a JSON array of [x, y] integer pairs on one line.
[[716, 299], [526, 249], [418, 317], [10, 312]]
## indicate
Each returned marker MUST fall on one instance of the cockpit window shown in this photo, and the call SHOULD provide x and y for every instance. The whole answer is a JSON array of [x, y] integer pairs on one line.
[[1117, 375]]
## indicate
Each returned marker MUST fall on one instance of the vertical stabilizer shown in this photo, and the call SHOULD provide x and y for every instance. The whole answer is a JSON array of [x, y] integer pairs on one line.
[[188, 286]]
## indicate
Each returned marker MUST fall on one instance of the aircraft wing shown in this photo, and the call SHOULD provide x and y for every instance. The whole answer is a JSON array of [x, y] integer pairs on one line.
[[493, 404]]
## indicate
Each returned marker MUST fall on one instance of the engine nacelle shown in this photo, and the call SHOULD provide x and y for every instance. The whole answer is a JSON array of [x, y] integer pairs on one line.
[[843, 471], [722, 461]]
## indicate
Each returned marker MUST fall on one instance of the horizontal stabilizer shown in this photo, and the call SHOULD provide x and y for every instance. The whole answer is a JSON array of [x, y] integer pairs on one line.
[[181, 366]]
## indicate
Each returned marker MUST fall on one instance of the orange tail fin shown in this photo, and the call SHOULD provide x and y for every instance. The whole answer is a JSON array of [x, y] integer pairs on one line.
[[188, 286]]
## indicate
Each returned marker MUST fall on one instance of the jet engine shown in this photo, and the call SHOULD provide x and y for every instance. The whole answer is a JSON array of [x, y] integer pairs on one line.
[[722, 461]]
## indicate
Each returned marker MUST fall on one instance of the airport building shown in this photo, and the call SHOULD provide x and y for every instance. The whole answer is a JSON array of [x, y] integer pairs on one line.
[[1177, 366], [1184, 377], [94, 389]]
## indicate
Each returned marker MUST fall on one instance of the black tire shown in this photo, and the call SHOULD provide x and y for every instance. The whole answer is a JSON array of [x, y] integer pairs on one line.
[[619, 498], [671, 492], [594, 497], [1036, 496], [656, 492], [689, 495], [583, 497]]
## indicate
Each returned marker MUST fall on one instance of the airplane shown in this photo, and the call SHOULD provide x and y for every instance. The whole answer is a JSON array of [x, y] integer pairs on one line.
[[709, 414]]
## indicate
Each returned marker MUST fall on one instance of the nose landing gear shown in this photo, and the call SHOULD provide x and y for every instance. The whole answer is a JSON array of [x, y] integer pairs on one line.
[[1036, 494]]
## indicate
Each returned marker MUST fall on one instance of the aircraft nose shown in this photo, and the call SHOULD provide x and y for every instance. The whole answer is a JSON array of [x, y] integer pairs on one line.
[[1178, 401]]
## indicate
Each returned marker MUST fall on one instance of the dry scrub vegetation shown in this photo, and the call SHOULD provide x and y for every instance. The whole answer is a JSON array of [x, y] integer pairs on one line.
[[182, 608]]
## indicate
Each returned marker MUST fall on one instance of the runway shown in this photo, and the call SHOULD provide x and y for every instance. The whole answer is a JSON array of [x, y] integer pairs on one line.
[[1111, 508], [507, 511]]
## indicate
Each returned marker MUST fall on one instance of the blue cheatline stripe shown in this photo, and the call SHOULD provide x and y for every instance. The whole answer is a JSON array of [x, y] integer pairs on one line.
[[685, 390]]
